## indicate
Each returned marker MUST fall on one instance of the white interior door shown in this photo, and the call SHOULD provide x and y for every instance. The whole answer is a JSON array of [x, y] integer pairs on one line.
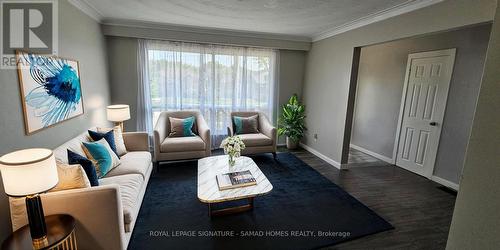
[[423, 106]]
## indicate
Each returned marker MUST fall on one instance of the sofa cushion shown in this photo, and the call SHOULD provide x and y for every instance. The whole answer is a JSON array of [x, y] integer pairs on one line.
[[130, 187], [181, 144], [108, 136], [136, 162], [101, 154], [88, 166], [119, 142], [74, 145], [256, 140], [70, 177]]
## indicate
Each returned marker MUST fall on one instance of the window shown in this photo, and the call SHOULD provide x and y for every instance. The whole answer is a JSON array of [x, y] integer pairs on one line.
[[211, 78]]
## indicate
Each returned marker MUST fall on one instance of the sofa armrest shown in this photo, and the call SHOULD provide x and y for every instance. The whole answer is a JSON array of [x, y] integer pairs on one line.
[[268, 129], [97, 210], [136, 141], [204, 132]]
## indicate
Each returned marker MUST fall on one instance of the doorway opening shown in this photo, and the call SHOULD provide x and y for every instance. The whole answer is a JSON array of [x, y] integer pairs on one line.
[[376, 107]]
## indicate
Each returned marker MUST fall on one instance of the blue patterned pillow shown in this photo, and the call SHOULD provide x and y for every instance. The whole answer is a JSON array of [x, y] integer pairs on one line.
[[87, 165], [108, 136]]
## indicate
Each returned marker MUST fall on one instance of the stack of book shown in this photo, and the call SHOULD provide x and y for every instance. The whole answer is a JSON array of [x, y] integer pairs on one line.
[[235, 180]]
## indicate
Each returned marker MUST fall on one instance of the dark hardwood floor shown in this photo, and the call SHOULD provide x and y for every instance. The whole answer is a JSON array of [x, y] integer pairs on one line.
[[419, 209]]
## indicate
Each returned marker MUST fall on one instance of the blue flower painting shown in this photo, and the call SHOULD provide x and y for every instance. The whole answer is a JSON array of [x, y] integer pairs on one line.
[[51, 90]]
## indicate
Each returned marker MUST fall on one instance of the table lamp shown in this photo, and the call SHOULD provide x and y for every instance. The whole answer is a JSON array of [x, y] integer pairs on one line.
[[118, 113], [27, 173]]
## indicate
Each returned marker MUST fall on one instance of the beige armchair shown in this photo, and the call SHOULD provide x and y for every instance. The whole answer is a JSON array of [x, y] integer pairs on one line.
[[263, 142], [180, 148]]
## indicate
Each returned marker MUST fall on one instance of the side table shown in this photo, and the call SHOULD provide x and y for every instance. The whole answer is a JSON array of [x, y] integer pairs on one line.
[[60, 235]]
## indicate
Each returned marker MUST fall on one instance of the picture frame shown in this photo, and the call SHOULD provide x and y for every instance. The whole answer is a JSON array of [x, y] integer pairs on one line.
[[50, 88]]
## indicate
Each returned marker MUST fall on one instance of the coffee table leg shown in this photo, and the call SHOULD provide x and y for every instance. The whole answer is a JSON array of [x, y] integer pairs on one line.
[[231, 210]]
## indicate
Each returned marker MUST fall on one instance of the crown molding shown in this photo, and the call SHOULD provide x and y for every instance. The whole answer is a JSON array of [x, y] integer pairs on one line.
[[88, 9], [400, 9], [203, 30], [375, 17]]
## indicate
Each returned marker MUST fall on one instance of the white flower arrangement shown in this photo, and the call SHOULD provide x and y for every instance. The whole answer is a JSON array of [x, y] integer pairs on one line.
[[232, 146]]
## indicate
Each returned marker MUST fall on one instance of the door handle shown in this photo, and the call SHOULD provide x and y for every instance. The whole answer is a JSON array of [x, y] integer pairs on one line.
[[433, 123]]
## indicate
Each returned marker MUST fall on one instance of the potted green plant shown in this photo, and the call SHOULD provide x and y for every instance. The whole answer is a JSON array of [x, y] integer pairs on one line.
[[292, 122]]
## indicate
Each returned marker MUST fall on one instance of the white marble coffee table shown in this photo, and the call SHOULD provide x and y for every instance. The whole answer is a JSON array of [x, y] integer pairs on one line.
[[208, 190]]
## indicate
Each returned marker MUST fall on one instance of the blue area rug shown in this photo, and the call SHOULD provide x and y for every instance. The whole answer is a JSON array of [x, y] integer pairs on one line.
[[304, 211]]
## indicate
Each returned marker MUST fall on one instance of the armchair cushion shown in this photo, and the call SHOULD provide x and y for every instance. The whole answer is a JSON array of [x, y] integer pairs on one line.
[[182, 144], [181, 127], [256, 140], [246, 125]]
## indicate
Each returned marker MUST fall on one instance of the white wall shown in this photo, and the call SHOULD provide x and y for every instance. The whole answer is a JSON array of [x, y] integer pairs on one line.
[[328, 65], [80, 38], [475, 223]]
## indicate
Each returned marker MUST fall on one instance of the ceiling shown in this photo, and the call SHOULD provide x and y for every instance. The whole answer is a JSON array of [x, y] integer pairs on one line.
[[299, 18]]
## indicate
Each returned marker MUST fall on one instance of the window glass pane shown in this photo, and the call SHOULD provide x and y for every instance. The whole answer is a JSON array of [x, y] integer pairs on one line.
[[216, 80]]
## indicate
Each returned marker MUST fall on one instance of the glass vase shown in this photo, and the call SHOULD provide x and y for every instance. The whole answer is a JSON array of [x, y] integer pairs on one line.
[[232, 160]]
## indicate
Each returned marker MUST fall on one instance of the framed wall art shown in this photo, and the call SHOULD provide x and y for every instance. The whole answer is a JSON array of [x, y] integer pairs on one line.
[[50, 90]]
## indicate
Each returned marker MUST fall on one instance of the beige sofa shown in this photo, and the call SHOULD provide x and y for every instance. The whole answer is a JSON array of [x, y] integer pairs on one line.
[[263, 142], [105, 214], [180, 148]]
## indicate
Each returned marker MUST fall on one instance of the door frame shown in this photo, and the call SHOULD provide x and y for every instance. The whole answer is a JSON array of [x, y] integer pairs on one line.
[[446, 52]]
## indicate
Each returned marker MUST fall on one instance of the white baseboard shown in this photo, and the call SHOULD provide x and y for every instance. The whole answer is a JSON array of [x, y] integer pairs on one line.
[[322, 156], [280, 144], [368, 152], [445, 183]]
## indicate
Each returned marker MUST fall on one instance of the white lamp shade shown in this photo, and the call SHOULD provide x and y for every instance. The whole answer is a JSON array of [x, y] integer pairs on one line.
[[118, 113], [29, 171]]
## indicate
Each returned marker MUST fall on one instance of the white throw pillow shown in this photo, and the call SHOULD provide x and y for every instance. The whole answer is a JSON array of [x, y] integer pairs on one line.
[[70, 177], [119, 142]]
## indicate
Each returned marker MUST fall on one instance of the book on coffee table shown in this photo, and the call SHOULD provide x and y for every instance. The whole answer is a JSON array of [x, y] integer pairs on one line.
[[235, 180]]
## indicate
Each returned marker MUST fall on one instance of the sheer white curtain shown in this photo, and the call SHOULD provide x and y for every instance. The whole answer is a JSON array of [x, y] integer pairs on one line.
[[214, 79], [144, 116]]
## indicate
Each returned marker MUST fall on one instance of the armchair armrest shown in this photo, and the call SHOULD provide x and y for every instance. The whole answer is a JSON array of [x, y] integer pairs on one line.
[[267, 129], [230, 131], [136, 141], [97, 210], [204, 132], [160, 133]]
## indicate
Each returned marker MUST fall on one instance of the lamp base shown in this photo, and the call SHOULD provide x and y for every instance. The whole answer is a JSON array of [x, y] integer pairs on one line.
[[38, 229], [120, 124], [40, 243]]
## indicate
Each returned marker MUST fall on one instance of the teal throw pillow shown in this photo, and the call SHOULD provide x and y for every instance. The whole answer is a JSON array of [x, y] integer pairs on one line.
[[181, 127], [101, 155], [246, 125]]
